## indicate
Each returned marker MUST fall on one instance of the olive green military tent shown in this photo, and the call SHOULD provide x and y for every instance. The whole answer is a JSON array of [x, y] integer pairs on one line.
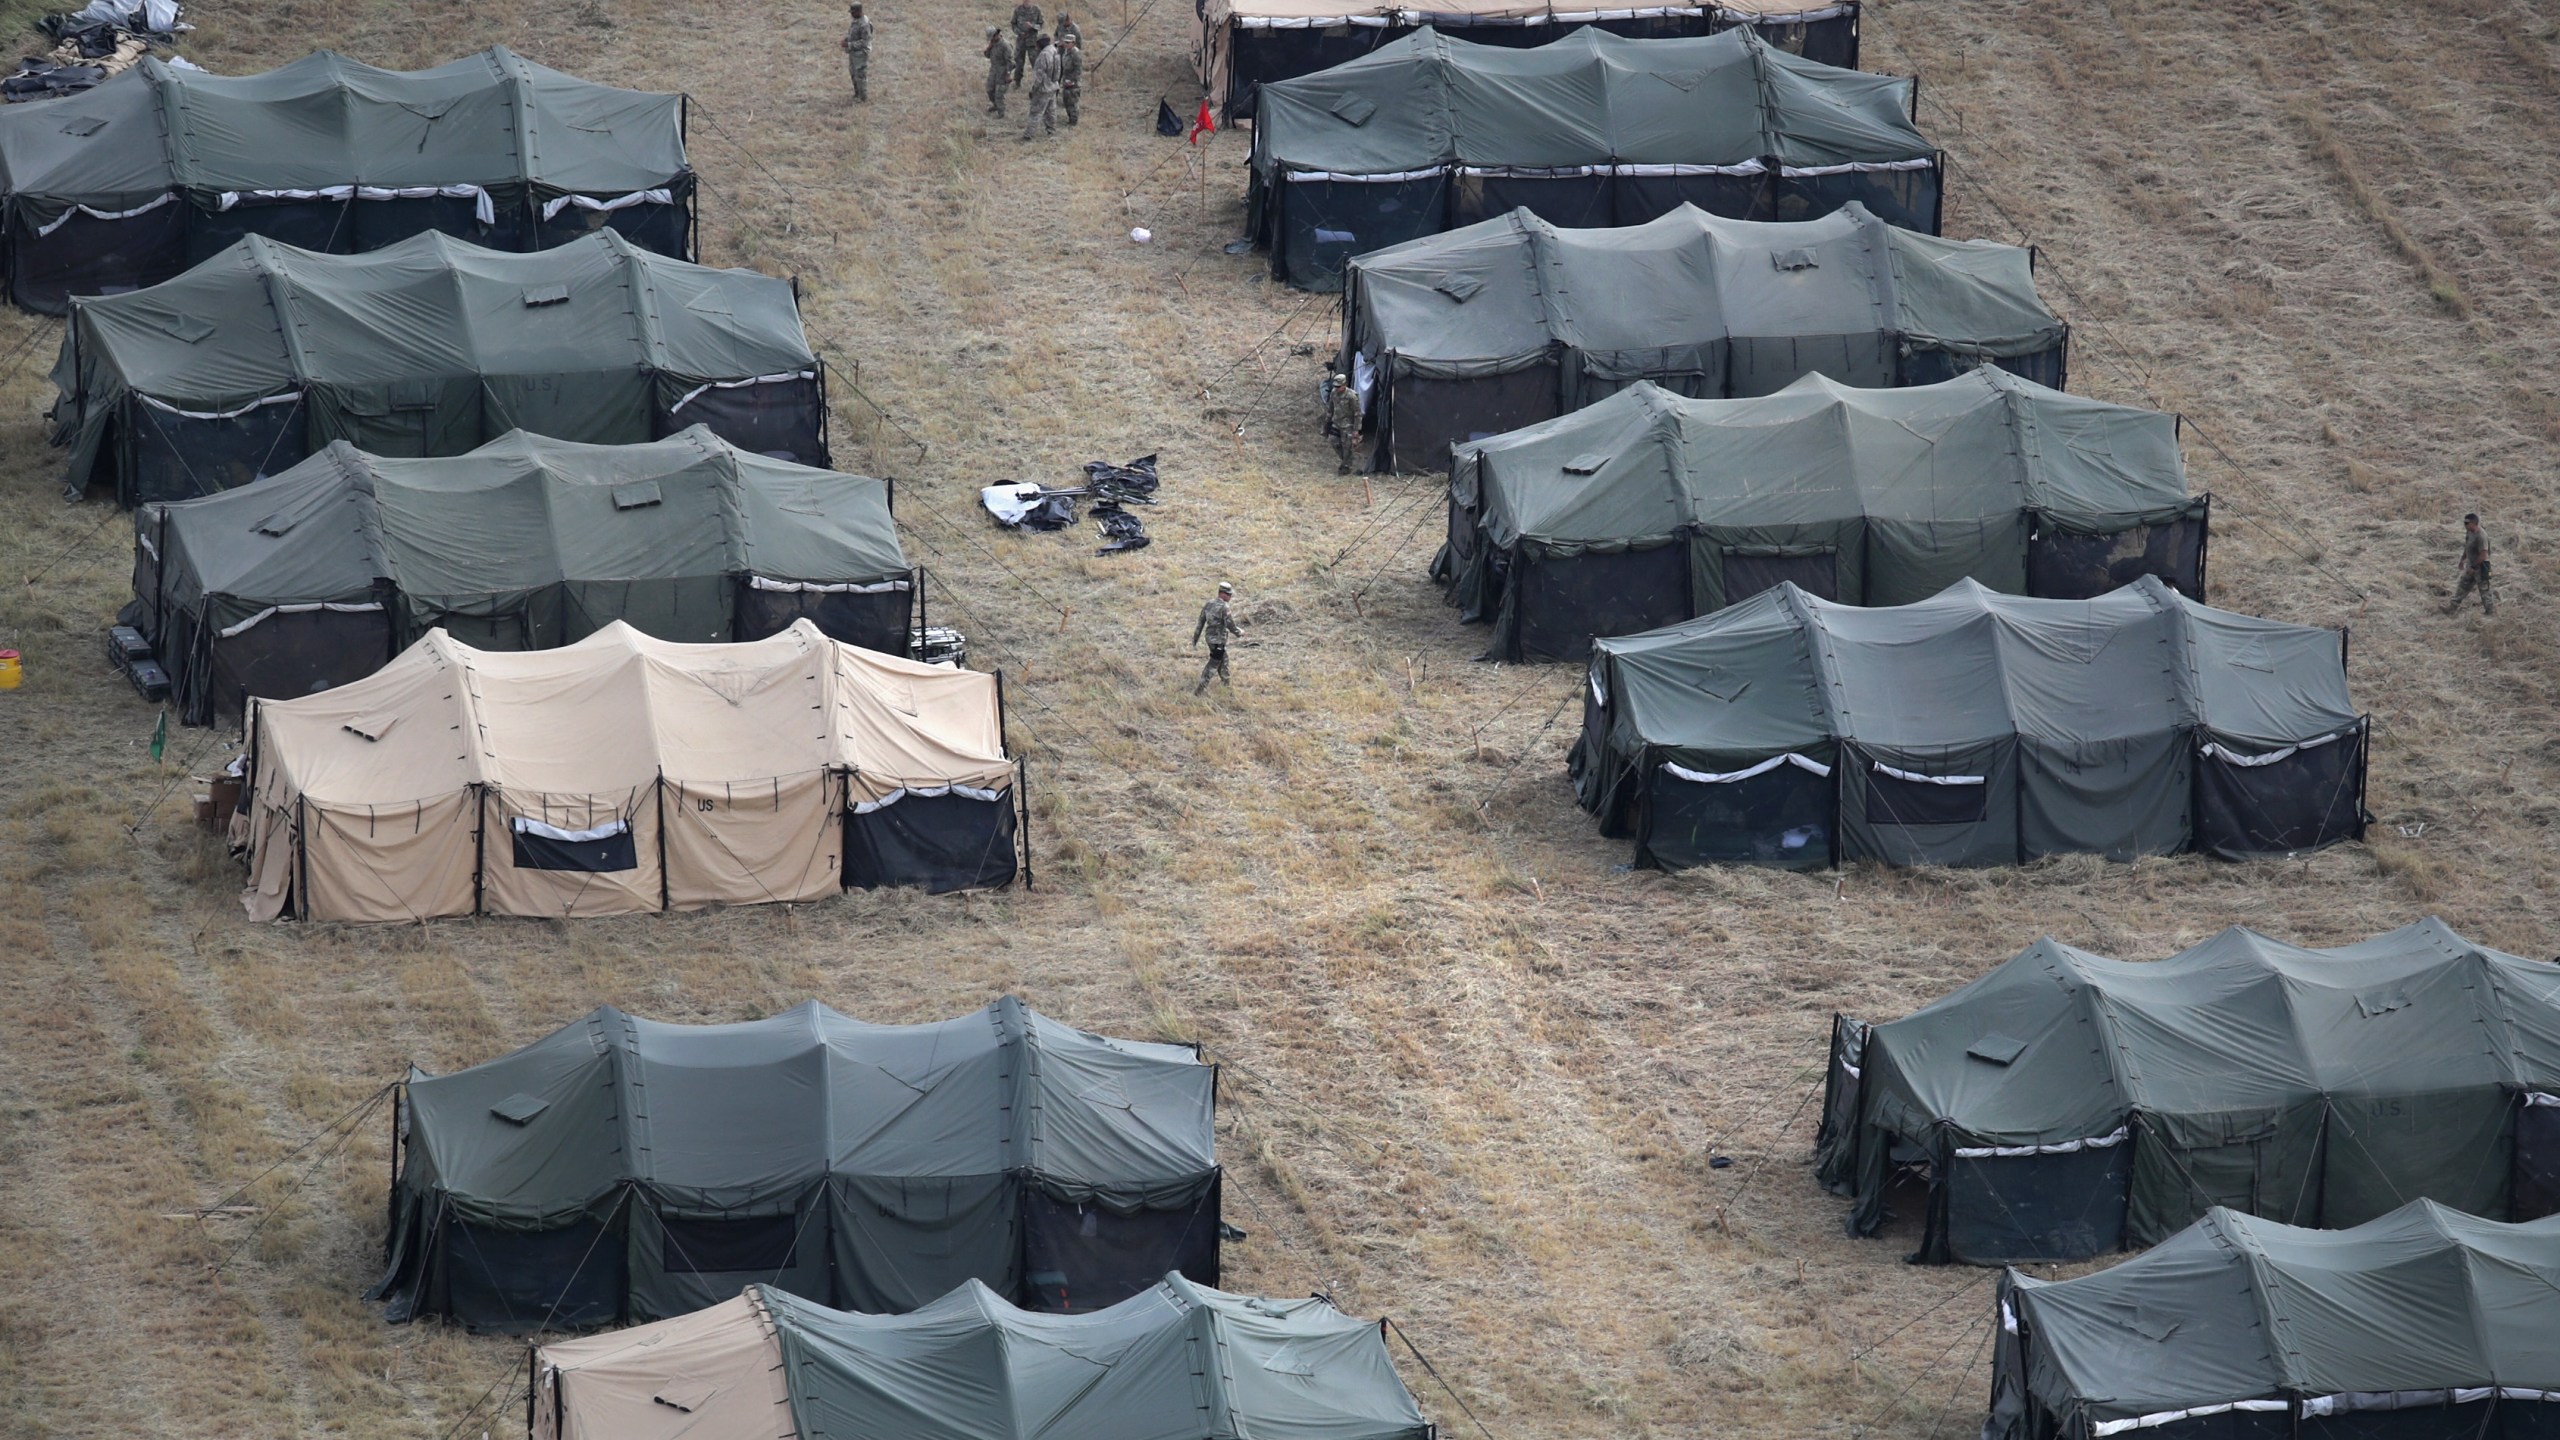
[[1246, 44], [264, 354], [309, 579], [1432, 132], [623, 773], [128, 184], [2423, 1324], [1972, 728], [1176, 1361], [1504, 324], [2067, 1104], [622, 1169], [1647, 508]]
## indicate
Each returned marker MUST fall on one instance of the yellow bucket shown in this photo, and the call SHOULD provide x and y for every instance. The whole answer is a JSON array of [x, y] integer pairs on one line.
[[10, 672]]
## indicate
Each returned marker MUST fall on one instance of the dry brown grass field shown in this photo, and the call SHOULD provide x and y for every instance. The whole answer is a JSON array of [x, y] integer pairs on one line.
[[1476, 1069]]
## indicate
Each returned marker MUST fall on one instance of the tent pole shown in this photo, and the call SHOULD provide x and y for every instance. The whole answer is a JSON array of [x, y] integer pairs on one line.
[[2204, 547], [479, 844], [664, 903], [391, 1201], [917, 623], [302, 861], [1022, 788]]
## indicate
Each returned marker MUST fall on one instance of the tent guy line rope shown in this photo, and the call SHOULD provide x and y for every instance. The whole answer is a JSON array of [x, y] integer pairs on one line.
[[1421, 512], [1379, 516], [300, 1180], [1554, 715], [1957, 1389], [1760, 1161], [1935, 1306], [1921, 1374], [826, 351], [1390, 1322], [141, 817], [752, 157]]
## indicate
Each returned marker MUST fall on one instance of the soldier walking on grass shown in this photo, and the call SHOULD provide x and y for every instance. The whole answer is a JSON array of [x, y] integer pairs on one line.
[[1342, 417], [857, 54], [1216, 624], [1067, 29], [1042, 103], [2475, 569], [1070, 74], [1026, 33], [999, 69]]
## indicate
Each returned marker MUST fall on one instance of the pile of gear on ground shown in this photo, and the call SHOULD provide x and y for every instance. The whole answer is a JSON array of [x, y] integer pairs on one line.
[[95, 44], [1027, 505]]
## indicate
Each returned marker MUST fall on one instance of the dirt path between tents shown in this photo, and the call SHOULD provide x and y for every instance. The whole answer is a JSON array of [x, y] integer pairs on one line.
[[1476, 1069]]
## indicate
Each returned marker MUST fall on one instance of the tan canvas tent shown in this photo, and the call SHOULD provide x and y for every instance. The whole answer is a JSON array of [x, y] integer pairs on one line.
[[624, 773], [715, 1372]]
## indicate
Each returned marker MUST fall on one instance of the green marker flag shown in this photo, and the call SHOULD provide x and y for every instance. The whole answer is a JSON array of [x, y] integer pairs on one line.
[[160, 735]]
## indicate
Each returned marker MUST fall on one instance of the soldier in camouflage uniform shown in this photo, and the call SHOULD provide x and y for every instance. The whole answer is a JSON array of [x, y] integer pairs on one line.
[[857, 54], [2475, 569], [1042, 103], [1070, 74], [999, 69], [1067, 29], [1216, 624], [1342, 417], [1026, 34]]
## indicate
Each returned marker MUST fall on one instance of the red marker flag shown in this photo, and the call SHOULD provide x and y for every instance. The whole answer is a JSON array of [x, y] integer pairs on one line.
[[1204, 125]]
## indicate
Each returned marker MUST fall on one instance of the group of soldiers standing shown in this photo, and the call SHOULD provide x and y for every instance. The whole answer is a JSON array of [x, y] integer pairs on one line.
[[1053, 63]]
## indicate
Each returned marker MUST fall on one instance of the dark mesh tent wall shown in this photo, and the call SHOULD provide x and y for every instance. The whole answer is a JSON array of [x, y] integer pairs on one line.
[[1079, 1255], [162, 454], [2284, 801], [1315, 222], [1798, 822], [650, 1258], [2075, 564], [159, 454], [87, 256], [955, 840], [875, 617], [1469, 409], [1552, 604], [1781, 817], [782, 418], [72, 253]]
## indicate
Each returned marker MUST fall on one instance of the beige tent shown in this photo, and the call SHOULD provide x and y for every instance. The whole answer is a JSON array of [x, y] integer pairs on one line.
[[715, 1372], [1245, 44], [624, 773]]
